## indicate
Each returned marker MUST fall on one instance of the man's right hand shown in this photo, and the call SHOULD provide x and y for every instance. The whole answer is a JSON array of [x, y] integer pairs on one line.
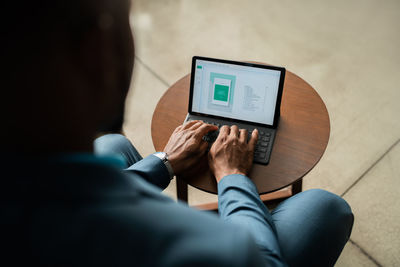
[[231, 153]]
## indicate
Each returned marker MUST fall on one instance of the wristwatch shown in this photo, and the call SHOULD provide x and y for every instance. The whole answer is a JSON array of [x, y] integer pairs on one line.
[[164, 157]]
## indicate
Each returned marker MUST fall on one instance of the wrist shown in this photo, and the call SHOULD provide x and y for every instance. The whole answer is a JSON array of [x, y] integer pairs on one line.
[[173, 160], [221, 174], [164, 158]]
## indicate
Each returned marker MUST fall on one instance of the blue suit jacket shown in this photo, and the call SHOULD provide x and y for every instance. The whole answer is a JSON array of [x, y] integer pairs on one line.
[[87, 211]]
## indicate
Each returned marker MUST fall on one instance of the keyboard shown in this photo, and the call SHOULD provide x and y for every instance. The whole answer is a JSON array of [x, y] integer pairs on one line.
[[263, 147]]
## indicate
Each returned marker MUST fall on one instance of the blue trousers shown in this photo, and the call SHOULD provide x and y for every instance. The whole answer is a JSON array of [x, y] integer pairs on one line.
[[296, 219]]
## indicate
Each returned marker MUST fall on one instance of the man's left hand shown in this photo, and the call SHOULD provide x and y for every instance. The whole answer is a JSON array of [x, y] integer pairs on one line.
[[186, 146]]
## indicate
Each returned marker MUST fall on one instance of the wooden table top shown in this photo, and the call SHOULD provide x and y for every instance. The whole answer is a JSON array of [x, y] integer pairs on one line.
[[301, 138]]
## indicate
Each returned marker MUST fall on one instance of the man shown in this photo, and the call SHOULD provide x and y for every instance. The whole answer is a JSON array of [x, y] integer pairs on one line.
[[68, 71]]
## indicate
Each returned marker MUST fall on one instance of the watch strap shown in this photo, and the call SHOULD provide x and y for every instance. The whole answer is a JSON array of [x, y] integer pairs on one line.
[[164, 158]]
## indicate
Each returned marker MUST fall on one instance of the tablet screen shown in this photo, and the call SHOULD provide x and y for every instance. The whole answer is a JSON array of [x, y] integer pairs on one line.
[[242, 92]]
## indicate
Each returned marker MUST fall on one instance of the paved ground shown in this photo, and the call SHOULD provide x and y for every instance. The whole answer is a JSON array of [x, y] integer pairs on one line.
[[347, 50]]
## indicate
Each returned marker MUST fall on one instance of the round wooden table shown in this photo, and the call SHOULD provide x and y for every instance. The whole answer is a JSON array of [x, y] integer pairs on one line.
[[301, 138]]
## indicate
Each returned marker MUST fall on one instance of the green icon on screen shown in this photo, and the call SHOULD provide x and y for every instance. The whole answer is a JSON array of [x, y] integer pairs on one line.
[[221, 92], [222, 86]]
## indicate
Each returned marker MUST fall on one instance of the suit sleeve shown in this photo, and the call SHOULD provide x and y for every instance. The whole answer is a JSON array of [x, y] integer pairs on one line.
[[239, 203], [151, 169]]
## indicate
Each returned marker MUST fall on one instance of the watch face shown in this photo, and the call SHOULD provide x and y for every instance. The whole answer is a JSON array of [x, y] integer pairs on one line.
[[162, 155]]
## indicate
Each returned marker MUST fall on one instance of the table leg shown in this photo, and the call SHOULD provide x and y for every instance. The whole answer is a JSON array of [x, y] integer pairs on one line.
[[181, 189], [297, 186]]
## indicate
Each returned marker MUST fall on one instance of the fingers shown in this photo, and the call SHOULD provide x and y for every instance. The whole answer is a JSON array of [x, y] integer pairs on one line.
[[253, 139], [178, 128], [196, 124], [223, 132], [243, 135], [189, 124], [203, 129], [234, 131]]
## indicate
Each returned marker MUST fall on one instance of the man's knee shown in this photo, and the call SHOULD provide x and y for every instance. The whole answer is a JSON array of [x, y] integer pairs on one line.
[[331, 200], [331, 206], [110, 144]]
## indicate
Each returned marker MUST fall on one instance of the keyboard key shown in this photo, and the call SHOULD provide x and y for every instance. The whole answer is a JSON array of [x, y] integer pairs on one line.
[[264, 143], [268, 134], [265, 139], [262, 149]]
